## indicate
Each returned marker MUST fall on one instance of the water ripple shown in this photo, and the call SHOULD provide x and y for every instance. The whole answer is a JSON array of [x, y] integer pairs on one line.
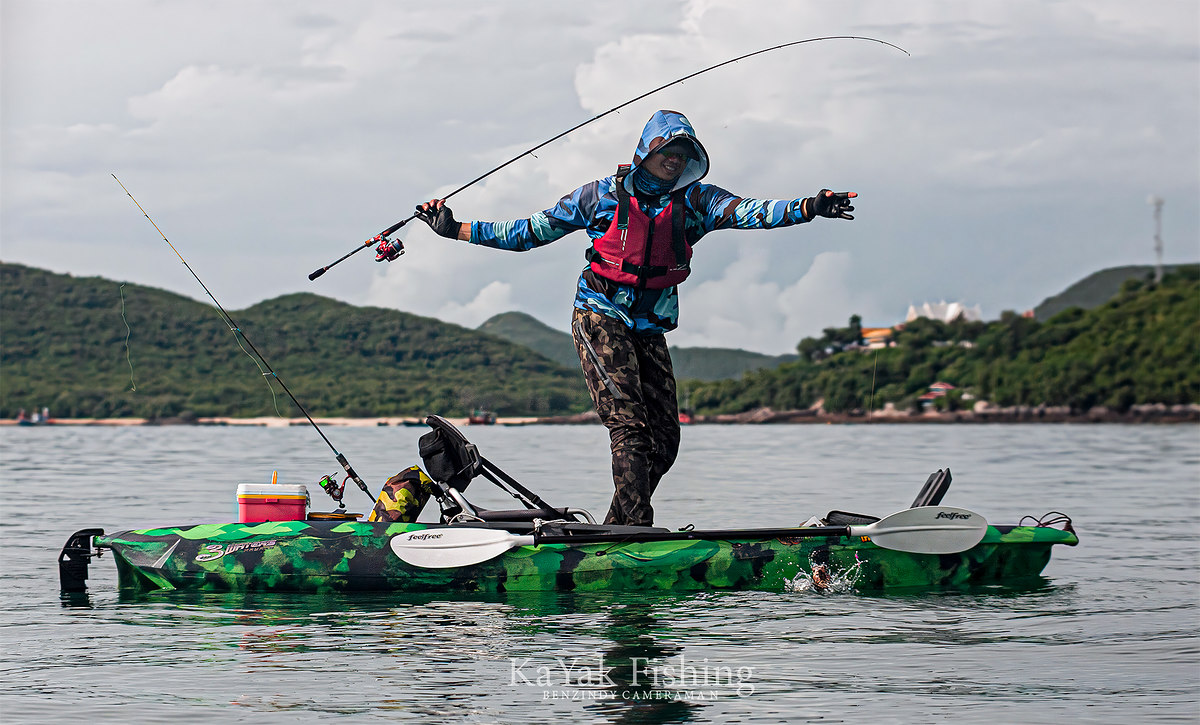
[[1107, 634]]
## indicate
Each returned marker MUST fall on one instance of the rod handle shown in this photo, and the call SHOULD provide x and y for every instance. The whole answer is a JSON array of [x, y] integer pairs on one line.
[[354, 476]]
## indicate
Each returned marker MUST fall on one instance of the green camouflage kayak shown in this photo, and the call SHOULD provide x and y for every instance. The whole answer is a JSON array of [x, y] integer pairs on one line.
[[544, 548], [347, 556]]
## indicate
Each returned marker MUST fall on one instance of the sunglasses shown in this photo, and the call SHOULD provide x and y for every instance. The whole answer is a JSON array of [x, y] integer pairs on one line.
[[675, 153]]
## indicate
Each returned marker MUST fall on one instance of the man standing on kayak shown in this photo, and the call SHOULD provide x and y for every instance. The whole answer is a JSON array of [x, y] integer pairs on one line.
[[643, 222]]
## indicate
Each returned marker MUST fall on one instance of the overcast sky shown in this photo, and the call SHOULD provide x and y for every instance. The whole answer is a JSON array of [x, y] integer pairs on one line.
[[1011, 155]]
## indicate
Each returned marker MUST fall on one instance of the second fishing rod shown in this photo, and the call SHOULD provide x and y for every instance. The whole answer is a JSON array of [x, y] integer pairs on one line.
[[269, 372], [393, 248]]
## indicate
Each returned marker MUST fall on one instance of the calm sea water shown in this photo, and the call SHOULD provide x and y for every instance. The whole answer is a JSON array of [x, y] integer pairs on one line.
[[1109, 636]]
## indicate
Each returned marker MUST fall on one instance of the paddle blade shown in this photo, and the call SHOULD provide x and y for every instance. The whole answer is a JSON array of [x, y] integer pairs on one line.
[[451, 547], [926, 530]]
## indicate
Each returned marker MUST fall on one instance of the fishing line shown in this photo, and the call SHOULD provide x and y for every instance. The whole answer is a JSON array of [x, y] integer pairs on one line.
[[222, 315], [383, 236], [128, 332], [265, 374], [238, 333], [871, 405]]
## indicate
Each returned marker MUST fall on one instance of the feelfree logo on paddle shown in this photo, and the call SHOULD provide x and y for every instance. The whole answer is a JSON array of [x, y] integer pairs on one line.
[[594, 679], [951, 515]]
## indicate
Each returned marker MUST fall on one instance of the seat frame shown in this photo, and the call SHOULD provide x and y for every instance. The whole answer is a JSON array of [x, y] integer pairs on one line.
[[454, 504]]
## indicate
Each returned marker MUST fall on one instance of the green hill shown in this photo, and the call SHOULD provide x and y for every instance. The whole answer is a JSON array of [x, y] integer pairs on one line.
[[64, 346], [698, 363], [1140, 347], [522, 329], [1097, 288]]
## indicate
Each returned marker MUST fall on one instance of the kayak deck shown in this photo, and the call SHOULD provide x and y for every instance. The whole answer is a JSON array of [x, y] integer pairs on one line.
[[347, 556]]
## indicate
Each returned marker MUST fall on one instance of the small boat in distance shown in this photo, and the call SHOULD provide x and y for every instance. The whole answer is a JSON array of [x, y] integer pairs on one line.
[[479, 416], [42, 418]]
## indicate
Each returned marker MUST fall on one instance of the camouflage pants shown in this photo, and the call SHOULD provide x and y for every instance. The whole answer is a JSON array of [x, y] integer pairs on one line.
[[633, 388]]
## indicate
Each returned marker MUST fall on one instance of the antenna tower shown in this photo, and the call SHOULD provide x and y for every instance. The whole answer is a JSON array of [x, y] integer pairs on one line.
[[1157, 203]]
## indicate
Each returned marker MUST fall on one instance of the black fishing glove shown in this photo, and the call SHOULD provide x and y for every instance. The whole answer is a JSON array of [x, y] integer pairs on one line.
[[441, 221], [830, 204]]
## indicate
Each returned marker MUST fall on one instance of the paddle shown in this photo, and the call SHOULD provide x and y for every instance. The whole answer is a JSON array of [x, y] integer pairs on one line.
[[922, 530], [453, 546]]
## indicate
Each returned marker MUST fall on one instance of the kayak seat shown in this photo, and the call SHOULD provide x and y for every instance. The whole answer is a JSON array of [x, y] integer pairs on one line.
[[934, 489], [448, 456], [453, 462], [522, 514], [843, 518], [931, 495], [581, 529], [562, 528]]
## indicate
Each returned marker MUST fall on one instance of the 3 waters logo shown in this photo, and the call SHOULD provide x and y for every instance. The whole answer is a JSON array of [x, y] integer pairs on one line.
[[212, 552], [593, 678]]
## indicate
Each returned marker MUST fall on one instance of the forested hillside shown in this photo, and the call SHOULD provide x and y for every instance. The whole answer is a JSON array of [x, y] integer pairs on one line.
[[66, 345], [90, 347], [1097, 288], [1141, 347], [699, 363]]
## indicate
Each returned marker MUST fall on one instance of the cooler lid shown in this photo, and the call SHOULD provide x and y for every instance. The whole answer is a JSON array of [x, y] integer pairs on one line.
[[272, 489]]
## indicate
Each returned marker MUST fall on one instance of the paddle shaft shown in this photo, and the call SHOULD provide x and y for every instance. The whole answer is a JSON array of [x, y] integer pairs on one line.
[[443, 548], [722, 534], [922, 530]]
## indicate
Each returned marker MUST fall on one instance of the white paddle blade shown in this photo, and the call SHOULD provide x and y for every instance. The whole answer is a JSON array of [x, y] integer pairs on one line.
[[926, 530], [451, 547]]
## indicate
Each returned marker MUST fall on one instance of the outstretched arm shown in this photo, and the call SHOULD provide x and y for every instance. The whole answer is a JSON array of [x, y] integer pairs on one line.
[[724, 210], [571, 212]]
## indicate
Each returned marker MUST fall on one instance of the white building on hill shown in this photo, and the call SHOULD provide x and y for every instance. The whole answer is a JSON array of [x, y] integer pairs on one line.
[[944, 311]]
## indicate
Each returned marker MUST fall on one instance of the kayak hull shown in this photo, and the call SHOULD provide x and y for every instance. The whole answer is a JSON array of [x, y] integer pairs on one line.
[[349, 556]]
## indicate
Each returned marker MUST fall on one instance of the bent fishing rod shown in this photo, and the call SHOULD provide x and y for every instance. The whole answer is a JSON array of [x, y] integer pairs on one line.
[[270, 372], [393, 248]]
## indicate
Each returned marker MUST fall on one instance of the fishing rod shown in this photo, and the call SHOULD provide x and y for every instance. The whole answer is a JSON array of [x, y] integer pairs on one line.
[[393, 248], [270, 372]]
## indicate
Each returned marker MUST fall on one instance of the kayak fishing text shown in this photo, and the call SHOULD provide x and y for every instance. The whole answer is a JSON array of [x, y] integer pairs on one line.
[[591, 678]]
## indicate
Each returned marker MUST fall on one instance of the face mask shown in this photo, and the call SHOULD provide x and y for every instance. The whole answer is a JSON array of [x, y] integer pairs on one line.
[[648, 184]]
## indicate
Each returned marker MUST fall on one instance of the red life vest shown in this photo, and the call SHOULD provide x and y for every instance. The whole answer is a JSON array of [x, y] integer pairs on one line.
[[638, 250]]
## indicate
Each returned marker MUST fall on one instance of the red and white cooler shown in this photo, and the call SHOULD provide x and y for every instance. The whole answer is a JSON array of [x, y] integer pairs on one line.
[[272, 502]]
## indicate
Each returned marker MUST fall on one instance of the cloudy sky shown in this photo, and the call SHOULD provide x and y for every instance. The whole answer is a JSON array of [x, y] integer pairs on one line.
[[1012, 154]]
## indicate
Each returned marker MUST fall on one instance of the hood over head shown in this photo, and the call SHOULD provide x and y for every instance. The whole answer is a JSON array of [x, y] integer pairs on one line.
[[663, 128]]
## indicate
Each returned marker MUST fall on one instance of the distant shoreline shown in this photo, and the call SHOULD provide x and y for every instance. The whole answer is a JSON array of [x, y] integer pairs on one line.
[[763, 416]]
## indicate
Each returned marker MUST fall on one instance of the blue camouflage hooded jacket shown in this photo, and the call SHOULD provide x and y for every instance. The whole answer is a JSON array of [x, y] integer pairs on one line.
[[592, 207]]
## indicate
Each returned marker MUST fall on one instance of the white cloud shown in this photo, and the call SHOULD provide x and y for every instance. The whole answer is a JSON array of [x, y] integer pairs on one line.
[[740, 309], [1008, 157], [495, 297]]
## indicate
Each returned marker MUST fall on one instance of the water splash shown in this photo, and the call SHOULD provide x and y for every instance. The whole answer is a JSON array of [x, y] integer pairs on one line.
[[824, 579]]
